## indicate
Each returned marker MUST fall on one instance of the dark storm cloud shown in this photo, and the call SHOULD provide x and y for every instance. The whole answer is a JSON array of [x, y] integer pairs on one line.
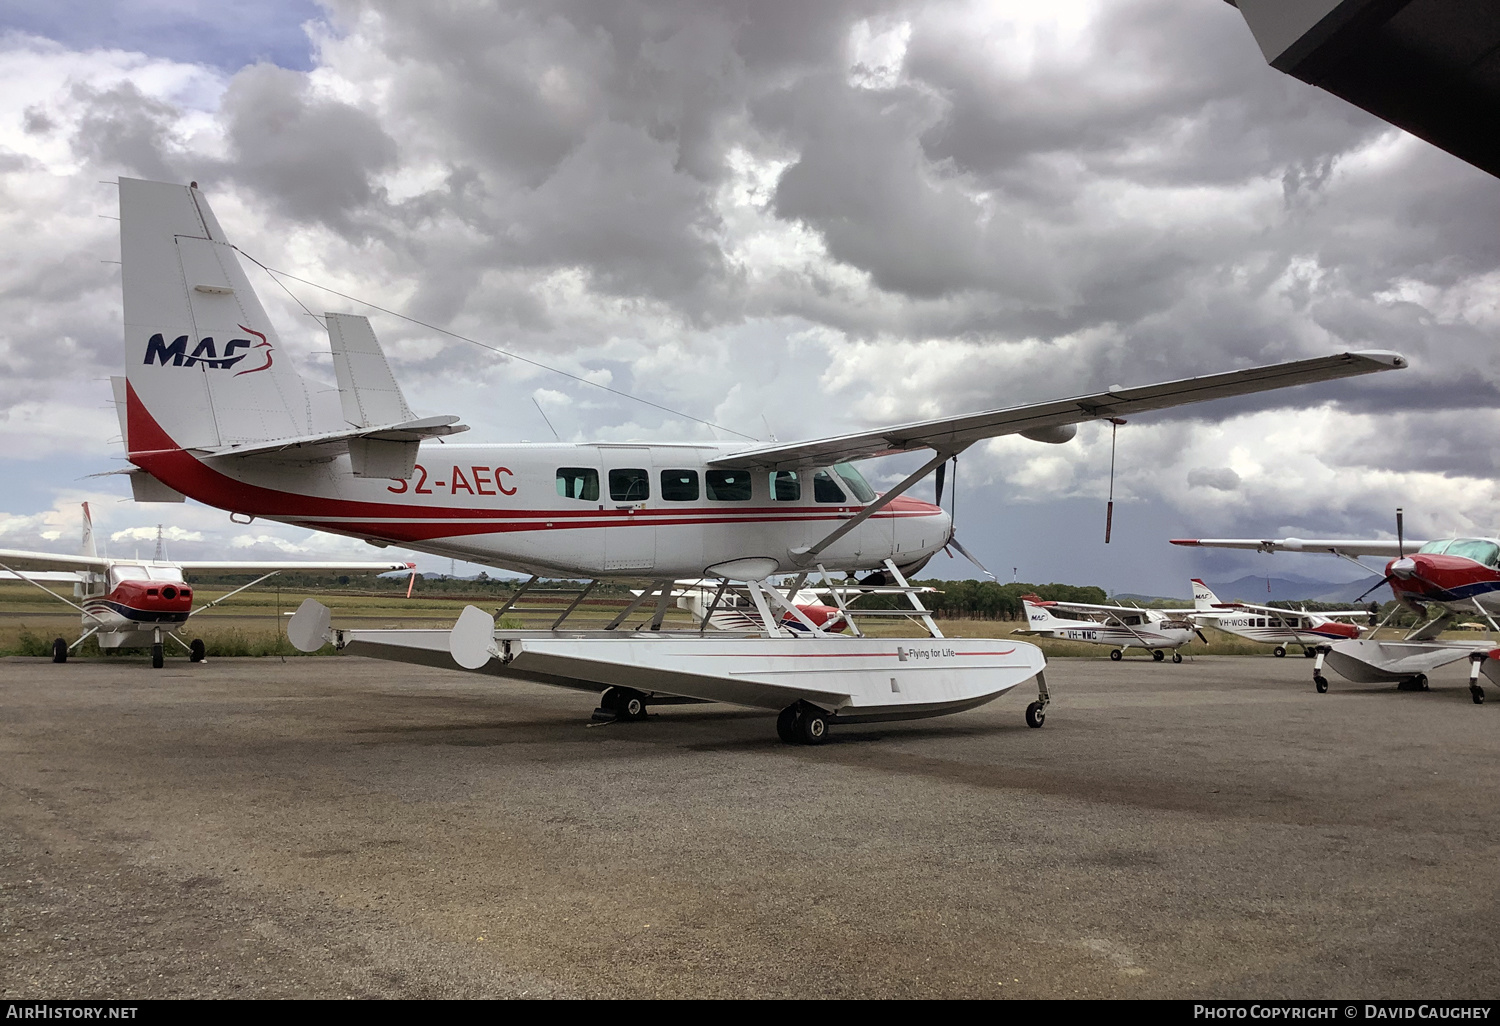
[[314, 155]]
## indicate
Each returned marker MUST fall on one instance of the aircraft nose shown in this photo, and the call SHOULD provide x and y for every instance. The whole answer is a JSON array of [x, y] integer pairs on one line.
[[1405, 568]]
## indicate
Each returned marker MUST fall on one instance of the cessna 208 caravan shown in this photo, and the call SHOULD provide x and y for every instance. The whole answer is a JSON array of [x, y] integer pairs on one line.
[[1442, 581], [1270, 625], [213, 409], [140, 603]]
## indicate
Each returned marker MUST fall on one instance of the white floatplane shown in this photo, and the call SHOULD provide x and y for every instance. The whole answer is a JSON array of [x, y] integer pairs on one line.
[[214, 410]]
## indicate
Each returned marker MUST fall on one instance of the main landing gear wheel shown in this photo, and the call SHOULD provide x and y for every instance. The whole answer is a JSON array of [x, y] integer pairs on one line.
[[1417, 683], [1116, 654], [1158, 654], [1278, 651], [813, 724], [1310, 653], [1176, 657], [1321, 683], [197, 651], [158, 656], [1036, 715], [59, 651], [787, 727], [1477, 693]]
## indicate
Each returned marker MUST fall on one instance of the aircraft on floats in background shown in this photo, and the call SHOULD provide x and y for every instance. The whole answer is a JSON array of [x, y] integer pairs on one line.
[[1270, 625], [1121, 627], [136, 603], [213, 409], [1441, 581]]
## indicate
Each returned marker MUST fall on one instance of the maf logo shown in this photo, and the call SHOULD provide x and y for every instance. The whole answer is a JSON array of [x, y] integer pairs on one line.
[[206, 352]]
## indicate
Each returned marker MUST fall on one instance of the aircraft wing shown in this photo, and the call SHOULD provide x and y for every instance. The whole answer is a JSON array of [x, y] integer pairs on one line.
[[44, 576], [1337, 546], [954, 434], [261, 566], [21, 559]]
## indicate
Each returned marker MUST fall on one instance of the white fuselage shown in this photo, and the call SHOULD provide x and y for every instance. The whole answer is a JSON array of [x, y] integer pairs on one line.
[[576, 510]]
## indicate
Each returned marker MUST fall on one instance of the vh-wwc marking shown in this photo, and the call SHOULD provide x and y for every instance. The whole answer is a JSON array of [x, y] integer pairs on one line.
[[1120, 627], [214, 410]]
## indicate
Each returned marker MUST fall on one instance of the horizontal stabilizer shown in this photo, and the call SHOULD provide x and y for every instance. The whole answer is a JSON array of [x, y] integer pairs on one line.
[[385, 450]]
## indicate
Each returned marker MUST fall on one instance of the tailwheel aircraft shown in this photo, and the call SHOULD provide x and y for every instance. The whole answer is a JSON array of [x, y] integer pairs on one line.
[[214, 409], [1269, 625], [1442, 581], [1120, 627], [141, 604]]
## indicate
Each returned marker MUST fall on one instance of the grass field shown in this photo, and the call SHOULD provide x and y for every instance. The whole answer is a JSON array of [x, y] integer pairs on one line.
[[253, 623]]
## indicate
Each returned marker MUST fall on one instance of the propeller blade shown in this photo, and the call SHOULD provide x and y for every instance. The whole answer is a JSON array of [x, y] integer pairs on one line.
[[1400, 535], [942, 474], [970, 557], [1201, 636]]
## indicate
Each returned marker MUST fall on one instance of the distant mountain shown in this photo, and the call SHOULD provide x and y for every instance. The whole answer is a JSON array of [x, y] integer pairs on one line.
[[1293, 589]]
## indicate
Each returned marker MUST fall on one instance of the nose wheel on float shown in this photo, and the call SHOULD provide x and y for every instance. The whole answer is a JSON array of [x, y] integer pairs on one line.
[[1476, 663]]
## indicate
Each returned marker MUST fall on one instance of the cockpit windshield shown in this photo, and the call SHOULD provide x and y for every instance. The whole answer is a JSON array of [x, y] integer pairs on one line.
[[1479, 550], [856, 482]]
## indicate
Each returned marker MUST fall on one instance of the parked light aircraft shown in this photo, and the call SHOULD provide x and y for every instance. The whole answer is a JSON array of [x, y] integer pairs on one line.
[[1119, 626], [213, 409], [135, 603], [1270, 625], [1443, 580]]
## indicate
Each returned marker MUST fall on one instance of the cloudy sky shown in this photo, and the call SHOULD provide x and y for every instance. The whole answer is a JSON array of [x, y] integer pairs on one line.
[[778, 216]]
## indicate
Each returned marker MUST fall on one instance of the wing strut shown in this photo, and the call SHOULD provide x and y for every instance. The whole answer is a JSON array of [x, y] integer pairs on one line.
[[49, 591], [807, 555]]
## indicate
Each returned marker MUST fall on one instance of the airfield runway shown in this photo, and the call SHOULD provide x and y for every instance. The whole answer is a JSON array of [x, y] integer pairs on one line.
[[334, 827]]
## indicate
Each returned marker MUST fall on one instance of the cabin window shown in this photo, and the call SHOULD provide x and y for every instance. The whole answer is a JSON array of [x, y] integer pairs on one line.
[[824, 490], [679, 485], [856, 482], [578, 483], [727, 485], [629, 485], [786, 486]]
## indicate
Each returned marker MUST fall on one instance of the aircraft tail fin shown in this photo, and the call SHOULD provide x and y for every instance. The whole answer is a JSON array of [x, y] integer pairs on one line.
[[1203, 598], [86, 546], [1038, 616], [202, 359]]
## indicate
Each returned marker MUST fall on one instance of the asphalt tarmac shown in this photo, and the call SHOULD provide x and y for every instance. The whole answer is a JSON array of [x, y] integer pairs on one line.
[[333, 827]]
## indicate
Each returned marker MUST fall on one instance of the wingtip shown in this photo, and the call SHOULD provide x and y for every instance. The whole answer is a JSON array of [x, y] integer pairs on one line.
[[1395, 361], [1184, 541]]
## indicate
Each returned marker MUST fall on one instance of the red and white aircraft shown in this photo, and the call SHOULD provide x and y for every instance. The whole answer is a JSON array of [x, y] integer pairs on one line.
[[1272, 626], [212, 408], [1121, 627], [134, 603], [1442, 580]]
